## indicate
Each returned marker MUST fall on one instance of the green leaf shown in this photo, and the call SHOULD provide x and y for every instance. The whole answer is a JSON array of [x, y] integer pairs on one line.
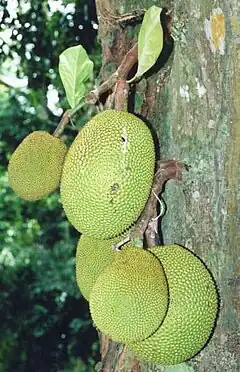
[[75, 69], [150, 41]]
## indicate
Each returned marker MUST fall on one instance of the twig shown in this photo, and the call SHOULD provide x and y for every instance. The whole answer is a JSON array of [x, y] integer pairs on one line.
[[62, 124], [67, 116], [121, 73]]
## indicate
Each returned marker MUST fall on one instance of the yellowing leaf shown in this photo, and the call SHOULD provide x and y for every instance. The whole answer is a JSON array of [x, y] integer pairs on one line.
[[150, 41], [75, 69]]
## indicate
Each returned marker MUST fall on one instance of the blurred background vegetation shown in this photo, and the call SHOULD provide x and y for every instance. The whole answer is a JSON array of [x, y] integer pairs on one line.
[[45, 324]]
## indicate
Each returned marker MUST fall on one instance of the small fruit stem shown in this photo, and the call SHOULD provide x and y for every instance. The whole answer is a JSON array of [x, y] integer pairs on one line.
[[67, 116], [62, 124], [121, 97], [147, 224]]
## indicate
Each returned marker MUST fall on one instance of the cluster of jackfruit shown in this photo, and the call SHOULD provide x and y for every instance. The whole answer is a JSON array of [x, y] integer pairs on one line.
[[161, 302]]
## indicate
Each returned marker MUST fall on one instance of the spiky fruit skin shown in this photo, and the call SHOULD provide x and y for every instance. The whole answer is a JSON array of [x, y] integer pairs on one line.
[[193, 306], [92, 257], [130, 297], [35, 167], [107, 174]]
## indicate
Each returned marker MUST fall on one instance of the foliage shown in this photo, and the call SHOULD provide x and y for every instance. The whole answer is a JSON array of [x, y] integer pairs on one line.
[[43, 29], [45, 318], [75, 69], [150, 41]]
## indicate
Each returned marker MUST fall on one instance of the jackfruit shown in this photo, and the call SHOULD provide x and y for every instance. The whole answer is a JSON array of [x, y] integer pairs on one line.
[[192, 311], [92, 257], [107, 174], [35, 167], [130, 297]]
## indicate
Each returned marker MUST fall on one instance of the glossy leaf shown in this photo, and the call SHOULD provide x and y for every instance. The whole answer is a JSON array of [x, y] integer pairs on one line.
[[150, 41], [75, 69]]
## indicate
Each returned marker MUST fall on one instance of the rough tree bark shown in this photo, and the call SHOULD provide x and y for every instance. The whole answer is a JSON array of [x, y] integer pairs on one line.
[[193, 102]]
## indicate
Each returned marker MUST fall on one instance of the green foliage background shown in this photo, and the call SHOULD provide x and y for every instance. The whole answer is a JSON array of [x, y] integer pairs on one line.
[[45, 323]]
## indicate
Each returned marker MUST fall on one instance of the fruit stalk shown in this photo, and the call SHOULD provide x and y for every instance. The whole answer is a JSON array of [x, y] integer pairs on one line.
[[147, 222], [126, 65], [67, 116]]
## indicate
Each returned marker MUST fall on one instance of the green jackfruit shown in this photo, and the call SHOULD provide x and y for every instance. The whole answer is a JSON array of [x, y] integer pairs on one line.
[[35, 167], [92, 257], [130, 297], [192, 311], [107, 174]]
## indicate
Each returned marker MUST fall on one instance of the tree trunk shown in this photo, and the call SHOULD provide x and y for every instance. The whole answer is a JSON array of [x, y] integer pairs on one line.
[[193, 102]]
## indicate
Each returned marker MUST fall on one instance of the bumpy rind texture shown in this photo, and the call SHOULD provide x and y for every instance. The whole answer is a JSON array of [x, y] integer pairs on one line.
[[92, 257], [192, 309], [129, 299], [35, 167], [107, 174]]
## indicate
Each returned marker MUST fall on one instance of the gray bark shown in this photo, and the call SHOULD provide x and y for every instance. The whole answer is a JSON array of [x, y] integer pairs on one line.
[[195, 110]]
